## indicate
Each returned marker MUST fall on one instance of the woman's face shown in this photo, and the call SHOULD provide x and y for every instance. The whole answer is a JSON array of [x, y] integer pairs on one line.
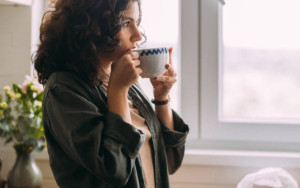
[[129, 35]]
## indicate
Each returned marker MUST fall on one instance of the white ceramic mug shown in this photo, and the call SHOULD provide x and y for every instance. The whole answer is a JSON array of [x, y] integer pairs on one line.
[[153, 61]]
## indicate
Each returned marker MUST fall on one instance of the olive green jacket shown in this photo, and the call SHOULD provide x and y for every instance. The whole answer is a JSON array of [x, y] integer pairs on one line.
[[90, 147]]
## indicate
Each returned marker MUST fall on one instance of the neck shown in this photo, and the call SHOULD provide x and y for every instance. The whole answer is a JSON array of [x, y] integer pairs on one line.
[[106, 67], [105, 70], [105, 64]]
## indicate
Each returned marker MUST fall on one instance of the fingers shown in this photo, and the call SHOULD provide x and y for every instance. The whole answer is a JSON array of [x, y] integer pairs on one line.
[[169, 76], [170, 70], [170, 55], [136, 62], [134, 58], [138, 70], [134, 55], [166, 79]]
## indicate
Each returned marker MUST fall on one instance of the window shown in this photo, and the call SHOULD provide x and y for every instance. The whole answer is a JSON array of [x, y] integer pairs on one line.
[[204, 56], [260, 74]]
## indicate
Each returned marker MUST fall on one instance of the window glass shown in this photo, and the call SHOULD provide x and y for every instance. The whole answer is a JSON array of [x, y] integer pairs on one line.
[[261, 60]]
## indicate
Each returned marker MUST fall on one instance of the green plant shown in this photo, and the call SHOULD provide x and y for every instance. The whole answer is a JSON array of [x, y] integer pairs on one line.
[[21, 116]]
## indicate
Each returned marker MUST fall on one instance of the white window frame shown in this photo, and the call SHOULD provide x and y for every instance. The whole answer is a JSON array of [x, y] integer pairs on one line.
[[201, 56]]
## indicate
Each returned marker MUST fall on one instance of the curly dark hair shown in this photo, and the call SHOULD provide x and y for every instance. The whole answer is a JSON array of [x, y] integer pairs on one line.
[[73, 34]]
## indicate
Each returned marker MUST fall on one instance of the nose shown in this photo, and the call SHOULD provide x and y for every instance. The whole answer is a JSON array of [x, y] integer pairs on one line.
[[136, 35]]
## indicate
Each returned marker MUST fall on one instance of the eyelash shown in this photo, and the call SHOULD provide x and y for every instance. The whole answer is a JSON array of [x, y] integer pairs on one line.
[[126, 24]]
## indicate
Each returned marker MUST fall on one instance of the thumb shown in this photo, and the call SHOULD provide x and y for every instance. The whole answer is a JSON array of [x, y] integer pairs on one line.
[[170, 55]]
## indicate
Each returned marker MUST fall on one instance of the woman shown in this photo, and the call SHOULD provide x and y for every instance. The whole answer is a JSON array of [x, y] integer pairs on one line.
[[101, 130]]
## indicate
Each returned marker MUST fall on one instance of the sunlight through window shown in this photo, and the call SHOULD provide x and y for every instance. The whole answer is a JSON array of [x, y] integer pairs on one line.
[[261, 60]]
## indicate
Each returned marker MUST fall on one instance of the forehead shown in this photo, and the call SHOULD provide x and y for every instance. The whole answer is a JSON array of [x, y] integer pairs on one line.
[[132, 10]]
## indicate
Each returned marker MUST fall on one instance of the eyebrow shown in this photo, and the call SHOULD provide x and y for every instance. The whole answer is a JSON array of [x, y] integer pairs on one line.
[[128, 18]]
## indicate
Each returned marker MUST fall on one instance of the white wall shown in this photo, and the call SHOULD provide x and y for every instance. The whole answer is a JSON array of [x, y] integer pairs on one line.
[[15, 63], [15, 34]]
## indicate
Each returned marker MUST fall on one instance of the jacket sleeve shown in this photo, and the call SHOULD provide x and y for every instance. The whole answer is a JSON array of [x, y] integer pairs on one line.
[[175, 142], [105, 145]]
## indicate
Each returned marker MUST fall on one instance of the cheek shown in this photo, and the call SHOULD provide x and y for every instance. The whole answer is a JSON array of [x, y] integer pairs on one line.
[[117, 54], [124, 36], [122, 49]]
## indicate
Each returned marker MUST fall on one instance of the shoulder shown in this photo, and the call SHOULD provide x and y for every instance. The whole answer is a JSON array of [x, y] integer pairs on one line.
[[67, 82], [64, 78]]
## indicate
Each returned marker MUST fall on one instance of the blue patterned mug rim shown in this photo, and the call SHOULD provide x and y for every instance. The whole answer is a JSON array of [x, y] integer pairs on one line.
[[153, 51]]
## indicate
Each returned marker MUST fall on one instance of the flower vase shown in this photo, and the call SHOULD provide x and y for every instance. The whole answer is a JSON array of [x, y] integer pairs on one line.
[[25, 173], [2, 181]]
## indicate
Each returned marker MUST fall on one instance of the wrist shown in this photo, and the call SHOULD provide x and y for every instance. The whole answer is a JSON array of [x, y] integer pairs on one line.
[[161, 98], [116, 95], [111, 90], [160, 102]]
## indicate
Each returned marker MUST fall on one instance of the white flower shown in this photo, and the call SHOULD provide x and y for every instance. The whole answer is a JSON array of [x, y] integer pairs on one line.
[[6, 88], [33, 88], [18, 95], [3, 105], [11, 95], [36, 85], [39, 104]]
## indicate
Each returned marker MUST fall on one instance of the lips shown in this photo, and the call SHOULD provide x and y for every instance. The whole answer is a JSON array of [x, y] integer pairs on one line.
[[131, 49]]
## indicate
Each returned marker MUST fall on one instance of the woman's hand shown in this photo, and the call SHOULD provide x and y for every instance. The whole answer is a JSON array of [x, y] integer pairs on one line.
[[162, 85], [125, 72]]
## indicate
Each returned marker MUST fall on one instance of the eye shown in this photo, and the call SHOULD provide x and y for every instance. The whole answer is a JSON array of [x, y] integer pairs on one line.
[[126, 24]]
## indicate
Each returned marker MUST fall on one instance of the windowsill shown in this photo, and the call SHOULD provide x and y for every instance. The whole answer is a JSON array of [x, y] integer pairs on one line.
[[241, 158], [229, 158]]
